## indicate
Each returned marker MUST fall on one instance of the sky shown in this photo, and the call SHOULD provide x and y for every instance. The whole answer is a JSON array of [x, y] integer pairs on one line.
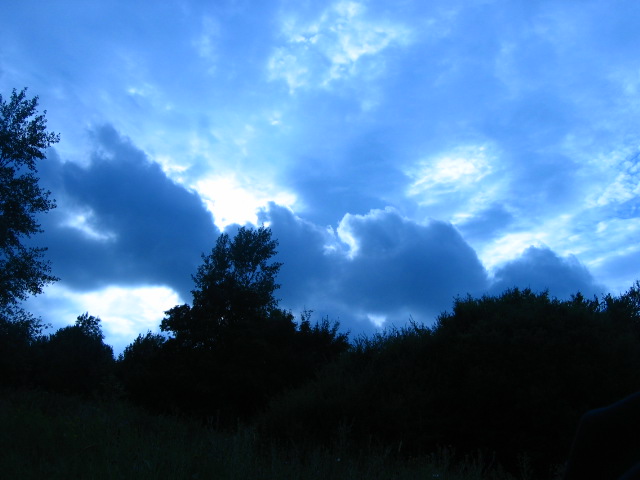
[[403, 153]]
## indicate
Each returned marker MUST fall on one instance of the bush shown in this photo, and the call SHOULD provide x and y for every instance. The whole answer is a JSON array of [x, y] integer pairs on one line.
[[509, 375], [236, 379], [17, 338], [75, 359]]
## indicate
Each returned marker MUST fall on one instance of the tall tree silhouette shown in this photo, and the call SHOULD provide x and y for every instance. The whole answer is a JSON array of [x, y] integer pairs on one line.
[[228, 351], [23, 271], [23, 141], [233, 349], [235, 288]]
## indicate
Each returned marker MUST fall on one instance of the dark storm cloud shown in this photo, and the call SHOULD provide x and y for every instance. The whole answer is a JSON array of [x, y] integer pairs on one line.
[[308, 266], [542, 269], [310, 276], [399, 268], [402, 266], [139, 227]]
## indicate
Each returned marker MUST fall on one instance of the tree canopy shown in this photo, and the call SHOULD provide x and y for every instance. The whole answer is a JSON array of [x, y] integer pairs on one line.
[[235, 288], [23, 141], [506, 375]]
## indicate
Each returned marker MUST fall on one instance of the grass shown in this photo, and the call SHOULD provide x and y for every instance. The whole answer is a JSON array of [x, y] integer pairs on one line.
[[52, 436]]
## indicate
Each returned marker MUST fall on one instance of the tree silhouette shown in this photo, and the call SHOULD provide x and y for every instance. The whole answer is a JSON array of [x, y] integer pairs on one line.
[[75, 359], [18, 335], [234, 290], [142, 372], [23, 140], [507, 375], [230, 352]]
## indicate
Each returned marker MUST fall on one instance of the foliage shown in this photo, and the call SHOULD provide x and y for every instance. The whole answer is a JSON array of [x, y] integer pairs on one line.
[[17, 339], [231, 351], [510, 374], [141, 369], [90, 326], [234, 290], [23, 141], [316, 345], [75, 359], [236, 379]]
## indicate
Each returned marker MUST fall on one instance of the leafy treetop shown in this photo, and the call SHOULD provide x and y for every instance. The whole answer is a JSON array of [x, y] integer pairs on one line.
[[235, 288], [23, 140]]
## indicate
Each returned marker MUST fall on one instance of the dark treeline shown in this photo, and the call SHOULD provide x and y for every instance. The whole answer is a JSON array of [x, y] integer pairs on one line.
[[508, 376]]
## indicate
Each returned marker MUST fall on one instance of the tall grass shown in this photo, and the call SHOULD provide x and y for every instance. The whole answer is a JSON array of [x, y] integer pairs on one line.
[[50, 436]]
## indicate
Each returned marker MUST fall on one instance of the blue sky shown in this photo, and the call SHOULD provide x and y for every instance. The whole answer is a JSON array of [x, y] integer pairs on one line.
[[403, 153]]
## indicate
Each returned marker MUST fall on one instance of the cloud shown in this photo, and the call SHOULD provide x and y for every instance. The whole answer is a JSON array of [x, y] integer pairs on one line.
[[310, 254], [514, 121], [486, 224], [121, 221], [234, 199], [205, 43], [374, 268], [337, 45], [621, 269], [396, 265], [362, 175], [456, 183], [623, 183], [381, 268], [125, 312], [542, 269]]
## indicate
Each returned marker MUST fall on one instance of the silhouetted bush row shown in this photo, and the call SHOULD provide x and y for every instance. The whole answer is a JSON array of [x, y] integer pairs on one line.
[[508, 375], [233, 381], [73, 360]]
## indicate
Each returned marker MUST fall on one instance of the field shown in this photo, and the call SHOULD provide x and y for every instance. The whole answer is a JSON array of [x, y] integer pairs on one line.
[[53, 436]]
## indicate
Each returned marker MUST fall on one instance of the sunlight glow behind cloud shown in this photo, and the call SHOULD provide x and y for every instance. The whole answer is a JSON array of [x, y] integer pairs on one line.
[[233, 199], [377, 320], [454, 172], [125, 311], [509, 247], [84, 222]]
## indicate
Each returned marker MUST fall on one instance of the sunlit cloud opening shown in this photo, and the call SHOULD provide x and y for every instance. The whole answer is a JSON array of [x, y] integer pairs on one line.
[[83, 221], [230, 200], [510, 247], [125, 312], [377, 320], [456, 170], [130, 310], [345, 235]]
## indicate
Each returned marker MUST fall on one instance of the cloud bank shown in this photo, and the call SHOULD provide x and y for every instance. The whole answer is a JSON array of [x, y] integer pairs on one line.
[[122, 221]]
